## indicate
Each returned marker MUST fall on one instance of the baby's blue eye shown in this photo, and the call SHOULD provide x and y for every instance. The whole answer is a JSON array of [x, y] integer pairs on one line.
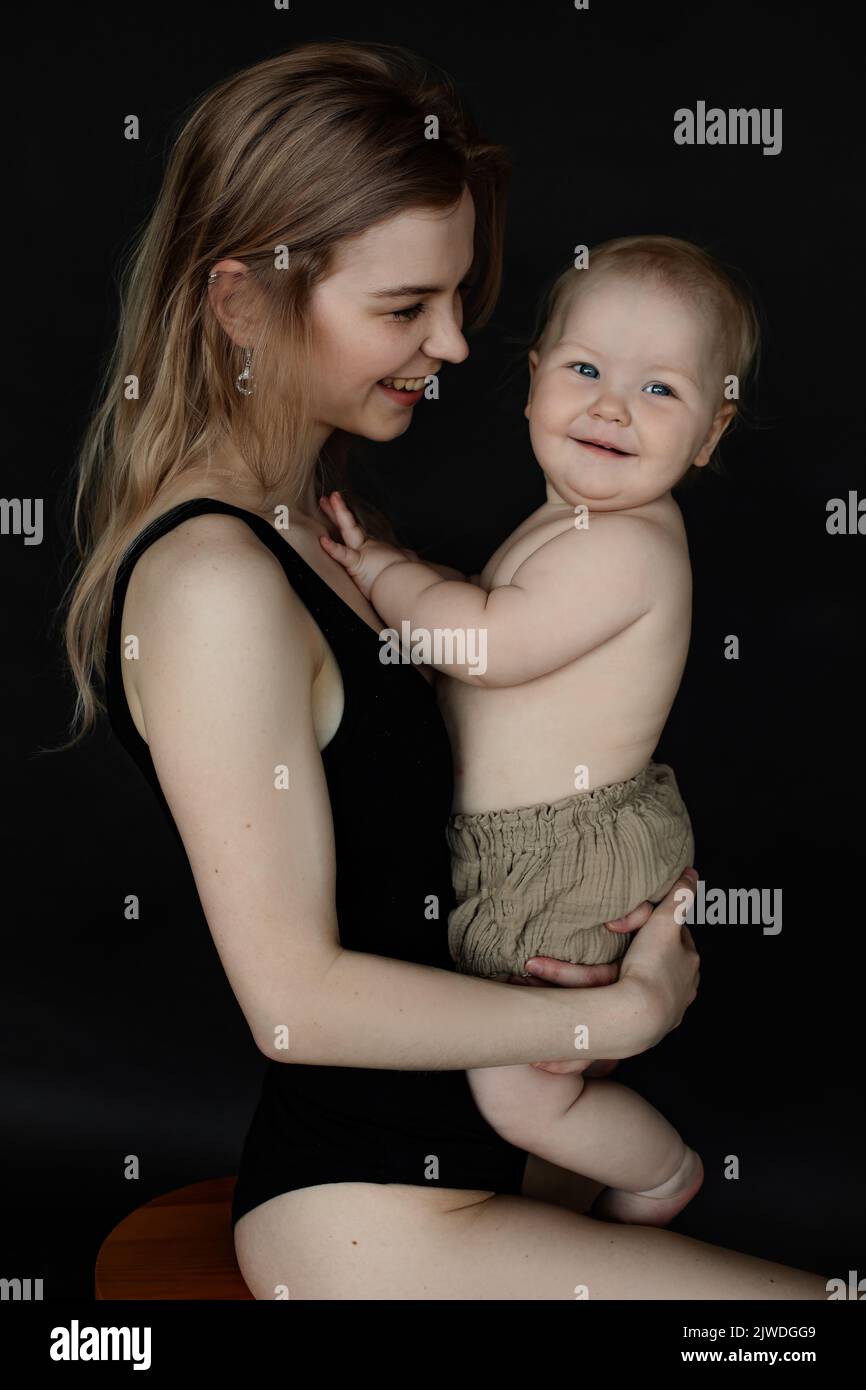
[[660, 385], [581, 365]]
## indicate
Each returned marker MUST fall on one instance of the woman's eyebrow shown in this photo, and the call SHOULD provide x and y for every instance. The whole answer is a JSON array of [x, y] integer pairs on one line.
[[399, 291], [402, 291]]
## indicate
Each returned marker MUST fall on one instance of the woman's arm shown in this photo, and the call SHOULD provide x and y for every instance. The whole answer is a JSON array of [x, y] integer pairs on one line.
[[228, 659]]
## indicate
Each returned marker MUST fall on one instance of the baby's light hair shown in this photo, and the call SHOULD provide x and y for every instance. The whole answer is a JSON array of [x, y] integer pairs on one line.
[[690, 271]]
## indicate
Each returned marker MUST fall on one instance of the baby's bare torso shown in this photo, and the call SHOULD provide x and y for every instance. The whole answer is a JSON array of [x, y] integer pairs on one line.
[[520, 745]]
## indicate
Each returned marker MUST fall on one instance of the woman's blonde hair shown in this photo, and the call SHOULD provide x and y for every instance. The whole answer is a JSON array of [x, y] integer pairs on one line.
[[298, 152], [701, 278]]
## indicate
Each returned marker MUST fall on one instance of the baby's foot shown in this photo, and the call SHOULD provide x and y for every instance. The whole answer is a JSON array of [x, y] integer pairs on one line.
[[657, 1205]]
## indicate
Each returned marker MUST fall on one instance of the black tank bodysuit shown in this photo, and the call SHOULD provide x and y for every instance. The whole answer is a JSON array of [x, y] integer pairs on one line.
[[388, 765]]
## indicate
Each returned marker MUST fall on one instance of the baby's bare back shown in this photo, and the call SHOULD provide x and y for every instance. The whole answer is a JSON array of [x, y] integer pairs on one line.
[[520, 745]]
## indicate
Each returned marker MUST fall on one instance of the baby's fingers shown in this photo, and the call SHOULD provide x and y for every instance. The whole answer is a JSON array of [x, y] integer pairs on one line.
[[348, 558], [327, 507], [352, 533], [325, 504]]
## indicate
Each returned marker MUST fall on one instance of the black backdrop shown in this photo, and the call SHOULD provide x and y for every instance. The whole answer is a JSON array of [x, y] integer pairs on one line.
[[124, 1037]]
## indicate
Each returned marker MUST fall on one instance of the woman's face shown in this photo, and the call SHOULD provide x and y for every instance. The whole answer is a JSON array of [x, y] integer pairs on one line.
[[392, 307]]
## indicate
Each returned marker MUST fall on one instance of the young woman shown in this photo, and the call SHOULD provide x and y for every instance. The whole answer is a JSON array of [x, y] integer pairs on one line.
[[324, 217]]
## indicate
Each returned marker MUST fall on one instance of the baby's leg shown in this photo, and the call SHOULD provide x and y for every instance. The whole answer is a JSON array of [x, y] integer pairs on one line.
[[600, 1129]]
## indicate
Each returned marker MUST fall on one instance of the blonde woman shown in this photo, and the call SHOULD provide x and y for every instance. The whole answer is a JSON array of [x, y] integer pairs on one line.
[[310, 262]]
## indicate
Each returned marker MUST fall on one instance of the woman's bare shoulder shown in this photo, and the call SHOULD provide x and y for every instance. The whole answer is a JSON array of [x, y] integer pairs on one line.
[[196, 543], [210, 558], [212, 578]]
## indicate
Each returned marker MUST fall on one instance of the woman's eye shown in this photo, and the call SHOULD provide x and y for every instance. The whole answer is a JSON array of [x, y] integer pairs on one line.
[[581, 365], [407, 315], [658, 386]]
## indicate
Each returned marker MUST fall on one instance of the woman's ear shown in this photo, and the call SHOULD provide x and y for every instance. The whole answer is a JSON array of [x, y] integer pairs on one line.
[[233, 310]]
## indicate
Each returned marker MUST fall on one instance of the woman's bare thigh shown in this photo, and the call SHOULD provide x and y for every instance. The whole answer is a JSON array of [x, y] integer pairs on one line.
[[359, 1241]]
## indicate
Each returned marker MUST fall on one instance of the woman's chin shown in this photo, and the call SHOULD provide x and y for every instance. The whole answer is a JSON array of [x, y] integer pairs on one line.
[[383, 428]]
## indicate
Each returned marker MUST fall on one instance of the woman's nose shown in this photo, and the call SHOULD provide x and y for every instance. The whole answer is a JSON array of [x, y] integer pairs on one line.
[[446, 340]]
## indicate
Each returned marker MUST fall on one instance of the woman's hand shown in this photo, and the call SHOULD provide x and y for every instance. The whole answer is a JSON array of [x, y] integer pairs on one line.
[[658, 975], [362, 559], [547, 970], [661, 968]]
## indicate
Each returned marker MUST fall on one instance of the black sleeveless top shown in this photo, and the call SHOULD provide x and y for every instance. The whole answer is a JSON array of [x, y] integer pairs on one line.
[[389, 777]]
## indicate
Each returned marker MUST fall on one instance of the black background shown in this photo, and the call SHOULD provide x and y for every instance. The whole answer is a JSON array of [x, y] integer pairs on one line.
[[124, 1037]]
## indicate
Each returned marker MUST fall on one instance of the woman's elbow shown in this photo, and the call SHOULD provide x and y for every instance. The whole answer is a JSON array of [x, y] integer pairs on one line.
[[289, 1028]]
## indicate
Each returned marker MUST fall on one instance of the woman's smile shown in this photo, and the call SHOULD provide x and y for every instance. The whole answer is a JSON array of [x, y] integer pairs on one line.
[[399, 394]]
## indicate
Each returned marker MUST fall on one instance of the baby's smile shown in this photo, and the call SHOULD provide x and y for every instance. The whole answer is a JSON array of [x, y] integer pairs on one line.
[[599, 446]]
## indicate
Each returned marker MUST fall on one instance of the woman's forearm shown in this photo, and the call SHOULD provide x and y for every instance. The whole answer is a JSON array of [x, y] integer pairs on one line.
[[372, 1011]]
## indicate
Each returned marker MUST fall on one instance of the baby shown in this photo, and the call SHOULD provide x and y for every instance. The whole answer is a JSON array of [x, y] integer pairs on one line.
[[561, 819]]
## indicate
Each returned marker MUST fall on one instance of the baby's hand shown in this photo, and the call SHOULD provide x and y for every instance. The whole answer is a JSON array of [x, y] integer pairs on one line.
[[363, 559]]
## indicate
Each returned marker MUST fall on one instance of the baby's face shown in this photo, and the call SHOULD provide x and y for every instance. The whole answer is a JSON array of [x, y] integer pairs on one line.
[[634, 368]]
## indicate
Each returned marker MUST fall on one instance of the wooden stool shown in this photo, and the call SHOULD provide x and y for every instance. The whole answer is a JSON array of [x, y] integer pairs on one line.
[[177, 1246]]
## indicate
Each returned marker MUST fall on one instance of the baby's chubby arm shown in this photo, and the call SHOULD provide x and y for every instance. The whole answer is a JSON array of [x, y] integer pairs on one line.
[[446, 571], [572, 594]]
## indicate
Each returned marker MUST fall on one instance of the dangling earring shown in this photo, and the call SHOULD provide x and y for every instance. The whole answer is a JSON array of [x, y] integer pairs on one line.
[[244, 382]]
